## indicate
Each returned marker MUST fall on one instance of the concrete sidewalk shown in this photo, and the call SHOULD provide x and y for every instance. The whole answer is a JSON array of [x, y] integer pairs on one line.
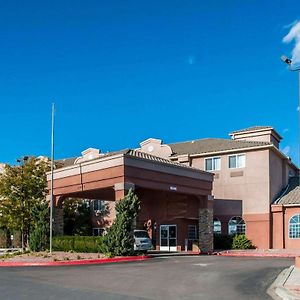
[[287, 285], [293, 282]]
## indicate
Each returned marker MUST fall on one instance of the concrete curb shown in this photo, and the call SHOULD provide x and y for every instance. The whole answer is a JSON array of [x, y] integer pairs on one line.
[[75, 262], [277, 290]]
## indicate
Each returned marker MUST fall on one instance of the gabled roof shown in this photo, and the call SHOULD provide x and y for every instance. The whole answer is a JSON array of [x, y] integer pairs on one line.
[[213, 145], [291, 194], [252, 128]]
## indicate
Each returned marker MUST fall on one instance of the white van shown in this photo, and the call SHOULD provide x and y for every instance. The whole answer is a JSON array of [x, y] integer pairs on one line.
[[142, 241]]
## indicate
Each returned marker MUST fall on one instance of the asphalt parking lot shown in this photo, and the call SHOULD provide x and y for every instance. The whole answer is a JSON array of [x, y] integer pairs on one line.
[[173, 277]]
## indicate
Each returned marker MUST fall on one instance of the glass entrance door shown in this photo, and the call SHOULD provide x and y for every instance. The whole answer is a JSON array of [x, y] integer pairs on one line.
[[168, 238]]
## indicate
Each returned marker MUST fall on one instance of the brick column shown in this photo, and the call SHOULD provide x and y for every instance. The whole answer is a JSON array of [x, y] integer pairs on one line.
[[58, 221], [121, 189], [206, 236], [58, 216]]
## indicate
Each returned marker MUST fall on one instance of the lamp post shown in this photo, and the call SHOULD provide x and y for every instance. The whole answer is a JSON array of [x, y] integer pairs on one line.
[[288, 61], [52, 169]]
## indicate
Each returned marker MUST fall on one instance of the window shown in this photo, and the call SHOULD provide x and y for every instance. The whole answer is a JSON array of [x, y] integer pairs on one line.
[[98, 231], [217, 226], [237, 161], [236, 225], [192, 232], [294, 227], [98, 205], [213, 164]]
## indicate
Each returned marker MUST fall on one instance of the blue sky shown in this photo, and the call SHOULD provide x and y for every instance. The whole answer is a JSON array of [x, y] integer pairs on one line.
[[123, 71]]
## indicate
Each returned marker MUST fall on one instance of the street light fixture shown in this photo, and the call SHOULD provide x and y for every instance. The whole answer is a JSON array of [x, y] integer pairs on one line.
[[288, 61]]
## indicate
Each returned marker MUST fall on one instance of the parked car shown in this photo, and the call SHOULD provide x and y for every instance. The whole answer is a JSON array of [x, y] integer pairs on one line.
[[142, 241]]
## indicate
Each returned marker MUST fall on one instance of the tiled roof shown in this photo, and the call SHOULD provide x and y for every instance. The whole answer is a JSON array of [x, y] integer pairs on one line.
[[213, 145], [129, 153], [66, 162], [136, 153], [253, 128], [291, 194]]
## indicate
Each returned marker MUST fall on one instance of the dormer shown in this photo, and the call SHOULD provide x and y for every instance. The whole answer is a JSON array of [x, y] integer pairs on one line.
[[258, 134], [155, 147], [88, 154]]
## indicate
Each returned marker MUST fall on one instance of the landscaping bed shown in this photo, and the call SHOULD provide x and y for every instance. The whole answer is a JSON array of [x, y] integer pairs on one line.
[[39, 257]]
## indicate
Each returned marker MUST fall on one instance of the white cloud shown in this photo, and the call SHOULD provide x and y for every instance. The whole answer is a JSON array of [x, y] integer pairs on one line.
[[294, 34], [286, 150], [298, 108], [191, 60], [285, 130], [290, 25]]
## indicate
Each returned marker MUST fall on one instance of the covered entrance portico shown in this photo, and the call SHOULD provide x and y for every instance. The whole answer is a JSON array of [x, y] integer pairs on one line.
[[173, 196]]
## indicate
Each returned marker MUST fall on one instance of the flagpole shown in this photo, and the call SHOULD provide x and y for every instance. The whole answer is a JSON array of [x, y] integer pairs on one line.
[[52, 169]]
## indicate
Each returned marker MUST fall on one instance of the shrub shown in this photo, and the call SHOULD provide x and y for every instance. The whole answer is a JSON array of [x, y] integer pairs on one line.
[[240, 241], [88, 244], [119, 239], [223, 241], [39, 233]]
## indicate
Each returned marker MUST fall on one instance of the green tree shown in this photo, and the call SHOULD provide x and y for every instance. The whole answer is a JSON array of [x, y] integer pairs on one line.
[[22, 189], [39, 233], [119, 239], [77, 217]]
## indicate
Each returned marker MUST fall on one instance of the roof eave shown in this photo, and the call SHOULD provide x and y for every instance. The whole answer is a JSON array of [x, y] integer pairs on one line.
[[225, 151]]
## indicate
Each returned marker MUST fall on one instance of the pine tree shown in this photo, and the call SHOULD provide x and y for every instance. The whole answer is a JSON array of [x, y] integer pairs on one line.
[[119, 239]]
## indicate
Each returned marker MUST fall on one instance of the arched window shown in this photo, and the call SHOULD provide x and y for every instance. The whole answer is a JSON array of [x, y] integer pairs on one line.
[[236, 225], [294, 227], [217, 226]]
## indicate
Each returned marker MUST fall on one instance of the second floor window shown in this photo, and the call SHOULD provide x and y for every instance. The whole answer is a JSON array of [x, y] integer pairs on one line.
[[237, 161], [213, 164]]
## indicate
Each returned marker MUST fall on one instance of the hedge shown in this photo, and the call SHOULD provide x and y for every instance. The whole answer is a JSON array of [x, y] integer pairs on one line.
[[223, 241], [88, 244], [227, 242]]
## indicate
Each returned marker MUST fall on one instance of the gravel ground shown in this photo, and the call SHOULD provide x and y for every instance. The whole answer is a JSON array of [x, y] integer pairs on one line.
[[46, 256]]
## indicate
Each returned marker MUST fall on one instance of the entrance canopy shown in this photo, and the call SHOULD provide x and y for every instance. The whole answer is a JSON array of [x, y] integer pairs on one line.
[[104, 176], [173, 196]]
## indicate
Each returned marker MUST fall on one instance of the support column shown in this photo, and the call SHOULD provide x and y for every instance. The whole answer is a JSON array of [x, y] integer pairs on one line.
[[121, 189], [277, 227], [58, 216], [58, 221], [206, 237]]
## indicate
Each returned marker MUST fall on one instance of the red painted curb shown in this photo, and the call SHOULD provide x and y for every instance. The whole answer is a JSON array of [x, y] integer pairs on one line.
[[258, 255], [74, 262]]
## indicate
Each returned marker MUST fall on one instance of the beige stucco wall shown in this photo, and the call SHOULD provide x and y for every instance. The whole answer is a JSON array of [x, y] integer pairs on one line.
[[250, 184], [279, 174]]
